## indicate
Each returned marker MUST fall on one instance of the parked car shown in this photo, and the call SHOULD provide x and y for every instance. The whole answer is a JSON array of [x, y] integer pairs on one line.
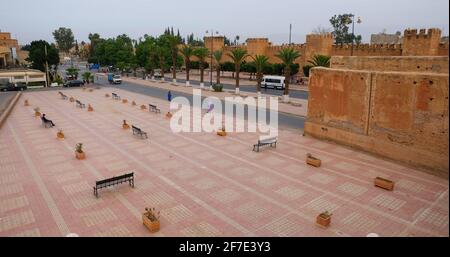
[[157, 74], [276, 82], [74, 83], [13, 87]]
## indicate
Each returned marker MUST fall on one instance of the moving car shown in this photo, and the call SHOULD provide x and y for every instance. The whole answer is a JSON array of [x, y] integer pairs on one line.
[[114, 79], [276, 82], [73, 83], [13, 87]]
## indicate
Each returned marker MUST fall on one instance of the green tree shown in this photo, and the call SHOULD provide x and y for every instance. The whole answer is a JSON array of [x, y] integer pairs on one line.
[[174, 41], [72, 72], [217, 55], [187, 51], [320, 60], [341, 32], [306, 69], [260, 61], [87, 76], [64, 38], [161, 52], [201, 53], [38, 58], [95, 39], [287, 57], [238, 55]]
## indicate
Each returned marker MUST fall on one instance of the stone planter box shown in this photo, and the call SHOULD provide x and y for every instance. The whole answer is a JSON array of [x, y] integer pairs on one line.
[[313, 161], [221, 133], [143, 107], [169, 115], [106, 95], [384, 183], [323, 220], [125, 126], [26, 103], [37, 114], [60, 135], [80, 156], [124, 101], [153, 226], [90, 109]]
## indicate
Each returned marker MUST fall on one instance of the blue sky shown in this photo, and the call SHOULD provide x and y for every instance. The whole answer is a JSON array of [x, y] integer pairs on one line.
[[31, 20]]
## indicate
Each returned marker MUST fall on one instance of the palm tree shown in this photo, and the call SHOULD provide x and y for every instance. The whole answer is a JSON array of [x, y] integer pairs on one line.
[[201, 53], [287, 56], [218, 58], [187, 51], [87, 76], [174, 41], [320, 60], [160, 52], [238, 55], [260, 61]]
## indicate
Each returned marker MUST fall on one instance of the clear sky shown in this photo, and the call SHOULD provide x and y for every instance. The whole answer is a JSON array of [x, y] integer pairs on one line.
[[36, 19]]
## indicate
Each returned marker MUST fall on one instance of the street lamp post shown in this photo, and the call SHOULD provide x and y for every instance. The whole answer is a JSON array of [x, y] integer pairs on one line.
[[353, 31], [211, 56]]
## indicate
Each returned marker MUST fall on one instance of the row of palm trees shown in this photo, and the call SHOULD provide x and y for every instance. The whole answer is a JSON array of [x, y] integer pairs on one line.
[[238, 56]]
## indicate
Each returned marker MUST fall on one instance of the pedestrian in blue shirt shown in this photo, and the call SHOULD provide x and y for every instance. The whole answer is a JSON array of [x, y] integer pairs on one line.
[[169, 96]]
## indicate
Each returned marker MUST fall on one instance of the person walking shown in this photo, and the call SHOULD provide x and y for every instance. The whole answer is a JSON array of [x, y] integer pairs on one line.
[[169, 96]]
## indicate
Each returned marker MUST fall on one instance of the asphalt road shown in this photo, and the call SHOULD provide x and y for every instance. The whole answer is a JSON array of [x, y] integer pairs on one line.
[[300, 94], [284, 120]]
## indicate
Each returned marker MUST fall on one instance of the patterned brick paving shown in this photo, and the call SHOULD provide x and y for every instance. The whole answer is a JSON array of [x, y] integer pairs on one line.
[[203, 184]]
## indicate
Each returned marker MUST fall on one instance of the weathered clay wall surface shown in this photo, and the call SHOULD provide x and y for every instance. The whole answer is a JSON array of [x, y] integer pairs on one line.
[[339, 99], [438, 64], [406, 118]]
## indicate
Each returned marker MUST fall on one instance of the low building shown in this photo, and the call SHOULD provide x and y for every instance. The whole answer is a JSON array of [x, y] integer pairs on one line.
[[29, 76]]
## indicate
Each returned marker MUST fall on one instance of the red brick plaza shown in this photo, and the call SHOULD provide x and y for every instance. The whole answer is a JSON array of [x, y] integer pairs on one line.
[[204, 185]]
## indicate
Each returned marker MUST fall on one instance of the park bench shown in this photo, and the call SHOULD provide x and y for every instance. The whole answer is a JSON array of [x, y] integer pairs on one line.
[[272, 141], [115, 96], [63, 96], [80, 104], [138, 131], [114, 181], [46, 123], [153, 108]]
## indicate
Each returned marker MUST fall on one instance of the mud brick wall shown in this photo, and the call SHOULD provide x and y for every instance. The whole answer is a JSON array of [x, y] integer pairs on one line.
[[399, 115], [435, 64]]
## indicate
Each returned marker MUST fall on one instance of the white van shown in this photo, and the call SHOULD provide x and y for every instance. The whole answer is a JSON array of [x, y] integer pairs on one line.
[[276, 82]]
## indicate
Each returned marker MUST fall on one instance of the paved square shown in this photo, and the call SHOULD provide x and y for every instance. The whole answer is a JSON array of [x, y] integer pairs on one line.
[[204, 185]]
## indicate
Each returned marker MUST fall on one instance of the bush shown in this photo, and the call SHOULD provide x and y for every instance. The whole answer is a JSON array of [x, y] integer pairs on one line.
[[306, 69], [217, 87]]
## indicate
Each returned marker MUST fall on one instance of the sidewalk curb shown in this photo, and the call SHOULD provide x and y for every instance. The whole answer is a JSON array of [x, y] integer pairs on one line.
[[8, 110]]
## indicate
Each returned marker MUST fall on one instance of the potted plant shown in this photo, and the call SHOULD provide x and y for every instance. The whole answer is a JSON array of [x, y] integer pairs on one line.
[[133, 103], [143, 107], [384, 183], [150, 218], [26, 103], [79, 152], [37, 112], [222, 131], [91, 90], [106, 95], [71, 99], [169, 115], [60, 134], [313, 160], [90, 109], [324, 219], [125, 125], [124, 101]]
